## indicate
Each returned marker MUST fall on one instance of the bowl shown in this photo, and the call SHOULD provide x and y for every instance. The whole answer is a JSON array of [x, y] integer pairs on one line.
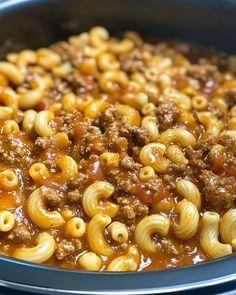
[[37, 23]]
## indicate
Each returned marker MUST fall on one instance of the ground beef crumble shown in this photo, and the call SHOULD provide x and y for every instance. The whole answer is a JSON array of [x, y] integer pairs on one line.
[[128, 163], [169, 247], [130, 208], [230, 98], [52, 196], [69, 52], [228, 143], [74, 185], [167, 114], [67, 247], [92, 142], [77, 181], [107, 117], [14, 150], [133, 134], [132, 62], [43, 142], [203, 73], [66, 121], [169, 181], [20, 234], [218, 191], [195, 158], [81, 83]]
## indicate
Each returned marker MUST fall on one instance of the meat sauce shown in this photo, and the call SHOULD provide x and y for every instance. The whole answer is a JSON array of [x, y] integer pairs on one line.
[[74, 76]]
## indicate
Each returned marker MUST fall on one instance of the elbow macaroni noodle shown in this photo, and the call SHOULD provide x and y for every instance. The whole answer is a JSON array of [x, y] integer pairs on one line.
[[111, 81], [150, 124], [8, 180], [209, 236], [183, 137], [75, 228], [38, 213], [174, 153], [211, 123], [128, 262], [228, 228], [42, 252], [10, 127], [110, 158], [90, 261], [11, 72], [9, 97], [68, 167], [187, 226], [118, 231], [147, 227], [152, 155], [7, 221], [5, 113], [42, 123], [147, 173], [93, 194], [30, 98], [95, 235], [189, 191], [39, 172], [129, 114]]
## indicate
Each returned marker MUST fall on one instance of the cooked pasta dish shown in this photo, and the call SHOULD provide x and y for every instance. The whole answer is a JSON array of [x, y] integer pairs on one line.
[[117, 154]]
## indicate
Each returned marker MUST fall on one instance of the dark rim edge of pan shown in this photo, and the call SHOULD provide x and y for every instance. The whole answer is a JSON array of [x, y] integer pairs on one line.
[[44, 278]]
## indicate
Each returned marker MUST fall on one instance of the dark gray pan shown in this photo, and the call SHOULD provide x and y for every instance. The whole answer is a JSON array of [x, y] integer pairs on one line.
[[35, 23]]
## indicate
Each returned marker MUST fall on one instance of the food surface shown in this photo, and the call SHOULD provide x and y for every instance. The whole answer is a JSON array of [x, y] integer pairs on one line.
[[117, 154]]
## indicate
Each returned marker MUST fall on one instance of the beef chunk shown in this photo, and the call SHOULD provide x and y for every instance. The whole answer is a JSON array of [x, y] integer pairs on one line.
[[20, 234], [169, 247], [43, 142], [203, 73], [219, 192], [67, 247], [74, 185], [107, 117], [140, 136], [128, 163], [69, 52], [74, 195], [195, 157], [228, 143], [169, 181], [67, 121], [125, 184], [77, 181], [81, 83], [176, 167], [130, 208], [53, 196], [14, 150], [89, 138], [167, 114], [135, 135], [230, 98], [132, 62], [116, 143]]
